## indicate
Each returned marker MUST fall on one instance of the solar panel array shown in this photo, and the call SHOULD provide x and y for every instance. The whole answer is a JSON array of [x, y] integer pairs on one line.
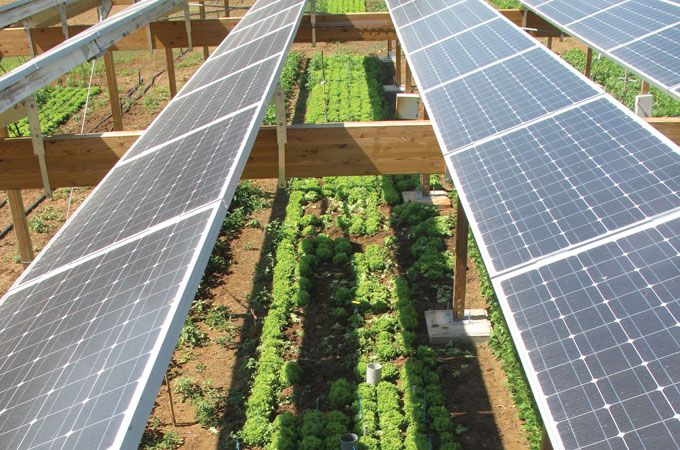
[[575, 204], [642, 35], [88, 330]]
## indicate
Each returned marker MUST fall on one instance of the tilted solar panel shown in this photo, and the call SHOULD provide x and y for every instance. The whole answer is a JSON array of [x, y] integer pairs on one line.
[[554, 174], [641, 35], [89, 328]]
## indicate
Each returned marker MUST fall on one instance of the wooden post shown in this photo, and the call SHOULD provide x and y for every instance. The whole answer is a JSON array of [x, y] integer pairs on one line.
[[201, 14], [408, 82], [397, 64], [589, 62], [425, 184], [312, 7], [389, 47], [545, 441], [281, 135], [170, 61], [16, 205], [226, 8], [112, 84], [460, 269], [172, 406], [549, 43], [644, 89]]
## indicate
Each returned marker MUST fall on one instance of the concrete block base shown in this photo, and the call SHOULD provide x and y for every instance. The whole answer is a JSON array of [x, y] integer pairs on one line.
[[440, 199], [442, 328]]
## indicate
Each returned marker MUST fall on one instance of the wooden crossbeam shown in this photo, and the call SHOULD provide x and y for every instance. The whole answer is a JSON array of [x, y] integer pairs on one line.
[[211, 32], [353, 148]]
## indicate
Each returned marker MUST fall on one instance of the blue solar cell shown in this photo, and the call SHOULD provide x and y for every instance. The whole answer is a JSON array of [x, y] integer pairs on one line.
[[452, 58], [657, 55], [602, 332], [561, 182], [502, 96]]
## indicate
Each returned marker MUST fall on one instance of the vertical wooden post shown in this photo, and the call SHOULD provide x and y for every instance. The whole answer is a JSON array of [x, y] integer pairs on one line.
[[425, 184], [16, 205], [172, 80], [589, 62], [408, 82], [460, 269], [545, 441], [644, 89], [397, 64], [226, 8], [172, 406], [312, 7], [281, 135], [549, 43], [112, 84], [389, 47], [201, 14]]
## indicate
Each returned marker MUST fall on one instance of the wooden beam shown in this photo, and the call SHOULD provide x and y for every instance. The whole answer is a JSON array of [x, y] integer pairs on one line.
[[425, 184], [114, 98], [211, 32], [172, 80], [16, 205], [460, 267], [362, 148], [644, 89]]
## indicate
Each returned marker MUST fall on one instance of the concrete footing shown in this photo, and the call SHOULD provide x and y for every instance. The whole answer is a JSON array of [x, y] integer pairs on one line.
[[442, 328], [440, 199]]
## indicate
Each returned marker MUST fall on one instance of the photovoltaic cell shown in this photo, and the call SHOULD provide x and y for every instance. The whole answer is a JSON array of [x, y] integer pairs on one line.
[[254, 52], [163, 184], [502, 96], [602, 333], [659, 53], [74, 348], [642, 35], [202, 107], [450, 21], [565, 180], [88, 329], [493, 41]]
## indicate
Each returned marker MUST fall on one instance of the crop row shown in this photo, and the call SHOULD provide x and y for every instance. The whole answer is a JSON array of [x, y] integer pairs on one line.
[[57, 105], [620, 83], [340, 6], [290, 75]]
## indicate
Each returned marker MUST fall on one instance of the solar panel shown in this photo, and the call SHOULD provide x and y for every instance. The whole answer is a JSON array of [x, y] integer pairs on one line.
[[641, 35], [601, 329], [89, 328], [551, 171]]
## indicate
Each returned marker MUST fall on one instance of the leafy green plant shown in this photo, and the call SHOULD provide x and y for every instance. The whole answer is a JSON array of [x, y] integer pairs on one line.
[[218, 318], [164, 441], [187, 388], [340, 393], [192, 336]]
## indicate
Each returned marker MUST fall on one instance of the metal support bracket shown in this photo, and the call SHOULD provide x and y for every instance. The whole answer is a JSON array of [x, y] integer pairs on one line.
[[281, 135], [312, 7], [105, 9], [38, 144], [187, 25], [29, 38], [64, 20]]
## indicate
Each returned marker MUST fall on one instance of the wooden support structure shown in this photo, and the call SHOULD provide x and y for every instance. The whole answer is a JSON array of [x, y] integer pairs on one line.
[[281, 137], [38, 144], [172, 80], [359, 148], [460, 268], [201, 14], [227, 13], [312, 18], [644, 89], [397, 64], [16, 205], [425, 184], [549, 43], [211, 32], [112, 84], [589, 62], [408, 78], [545, 441]]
